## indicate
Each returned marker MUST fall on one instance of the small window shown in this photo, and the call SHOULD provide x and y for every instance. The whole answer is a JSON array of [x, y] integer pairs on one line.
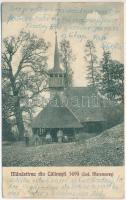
[[60, 75], [51, 75]]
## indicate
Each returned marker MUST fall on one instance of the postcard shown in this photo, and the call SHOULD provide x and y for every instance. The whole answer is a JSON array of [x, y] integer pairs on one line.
[[63, 100]]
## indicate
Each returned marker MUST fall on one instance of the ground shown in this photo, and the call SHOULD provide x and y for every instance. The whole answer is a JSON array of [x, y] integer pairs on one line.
[[106, 149]]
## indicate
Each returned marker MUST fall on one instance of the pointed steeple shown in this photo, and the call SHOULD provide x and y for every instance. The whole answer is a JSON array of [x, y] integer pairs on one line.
[[56, 67], [56, 54], [56, 74]]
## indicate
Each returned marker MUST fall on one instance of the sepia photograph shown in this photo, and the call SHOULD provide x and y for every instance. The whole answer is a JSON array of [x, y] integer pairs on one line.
[[62, 84]]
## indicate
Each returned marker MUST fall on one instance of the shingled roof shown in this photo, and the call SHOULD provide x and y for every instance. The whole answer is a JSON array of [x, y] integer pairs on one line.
[[56, 116], [85, 113]]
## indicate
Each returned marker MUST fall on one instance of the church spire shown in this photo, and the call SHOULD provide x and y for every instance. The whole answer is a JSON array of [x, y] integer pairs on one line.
[[56, 74], [56, 55]]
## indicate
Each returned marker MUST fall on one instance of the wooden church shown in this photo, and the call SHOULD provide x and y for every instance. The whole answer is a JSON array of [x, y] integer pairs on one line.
[[72, 109]]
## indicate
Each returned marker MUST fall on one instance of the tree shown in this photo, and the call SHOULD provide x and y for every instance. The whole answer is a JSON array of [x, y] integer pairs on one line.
[[22, 75], [6, 128], [111, 78], [91, 58], [66, 58]]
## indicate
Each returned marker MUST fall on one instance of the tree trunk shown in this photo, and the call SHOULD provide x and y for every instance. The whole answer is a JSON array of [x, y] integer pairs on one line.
[[19, 120], [92, 68], [17, 112]]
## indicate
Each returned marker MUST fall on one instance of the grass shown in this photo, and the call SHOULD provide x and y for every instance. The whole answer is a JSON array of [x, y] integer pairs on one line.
[[106, 149]]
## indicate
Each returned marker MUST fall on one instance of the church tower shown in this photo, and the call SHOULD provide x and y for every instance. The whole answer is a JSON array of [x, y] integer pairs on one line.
[[56, 74]]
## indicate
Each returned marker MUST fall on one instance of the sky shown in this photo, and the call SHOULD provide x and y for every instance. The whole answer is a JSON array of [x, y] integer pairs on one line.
[[76, 22]]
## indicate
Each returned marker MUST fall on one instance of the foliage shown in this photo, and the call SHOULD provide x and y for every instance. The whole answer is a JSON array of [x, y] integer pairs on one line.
[[91, 59], [66, 58], [24, 63], [111, 78], [114, 115]]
